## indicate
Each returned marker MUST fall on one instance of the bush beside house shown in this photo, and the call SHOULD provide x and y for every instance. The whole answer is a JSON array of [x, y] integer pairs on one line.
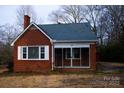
[[6, 56], [111, 53]]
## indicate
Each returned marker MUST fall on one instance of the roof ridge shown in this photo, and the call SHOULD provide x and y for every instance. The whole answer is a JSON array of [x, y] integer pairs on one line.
[[66, 23]]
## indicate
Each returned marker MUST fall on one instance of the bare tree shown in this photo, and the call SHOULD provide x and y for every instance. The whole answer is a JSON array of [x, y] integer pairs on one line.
[[103, 29], [106, 21], [77, 14], [8, 33], [67, 14], [25, 10], [56, 17], [92, 14], [112, 21], [116, 14]]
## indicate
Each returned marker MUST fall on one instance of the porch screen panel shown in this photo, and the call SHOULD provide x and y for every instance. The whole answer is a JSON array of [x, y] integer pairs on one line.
[[67, 57], [58, 56], [76, 57], [84, 56]]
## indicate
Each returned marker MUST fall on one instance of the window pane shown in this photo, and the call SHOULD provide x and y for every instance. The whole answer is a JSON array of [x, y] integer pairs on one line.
[[24, 49], [42, 49], [42, 56], [24, 55], [76, 52], [42, 52], [24, 52], [68, 53], [33, 52]]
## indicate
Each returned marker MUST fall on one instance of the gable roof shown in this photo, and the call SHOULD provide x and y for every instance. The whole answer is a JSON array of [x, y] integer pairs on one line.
[[26, 30], [72, 31], [64, 32]]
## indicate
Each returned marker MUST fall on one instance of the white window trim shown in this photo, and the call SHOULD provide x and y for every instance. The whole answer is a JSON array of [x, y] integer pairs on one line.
[[21, 53], [41, 52]]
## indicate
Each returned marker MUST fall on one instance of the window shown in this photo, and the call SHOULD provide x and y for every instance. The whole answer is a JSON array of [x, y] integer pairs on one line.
[[42, 53], [33, 52], [24, 52]]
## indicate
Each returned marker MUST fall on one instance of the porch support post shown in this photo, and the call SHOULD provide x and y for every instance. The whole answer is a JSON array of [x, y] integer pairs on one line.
[[71, 56], [52, 56], [80, 56], [62, 57]]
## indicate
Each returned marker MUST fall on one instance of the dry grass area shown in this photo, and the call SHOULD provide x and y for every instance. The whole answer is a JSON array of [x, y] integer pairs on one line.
[[113, 63], [38, 80]]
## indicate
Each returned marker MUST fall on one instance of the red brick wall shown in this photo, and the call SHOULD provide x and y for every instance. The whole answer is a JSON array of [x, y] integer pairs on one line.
[[32, 37], [93, 56], [72, 69]]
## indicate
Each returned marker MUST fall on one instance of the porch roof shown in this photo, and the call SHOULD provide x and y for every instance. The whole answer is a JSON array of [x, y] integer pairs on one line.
[[72, 31]]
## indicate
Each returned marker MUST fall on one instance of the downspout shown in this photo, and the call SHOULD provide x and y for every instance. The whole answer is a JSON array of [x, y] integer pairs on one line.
[[52, 56]]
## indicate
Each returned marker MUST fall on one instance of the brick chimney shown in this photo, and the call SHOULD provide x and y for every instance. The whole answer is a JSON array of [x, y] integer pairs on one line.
[[26, 21]]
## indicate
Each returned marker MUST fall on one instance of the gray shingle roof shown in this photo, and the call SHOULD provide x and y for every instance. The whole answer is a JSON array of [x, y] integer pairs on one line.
[[79, 31]]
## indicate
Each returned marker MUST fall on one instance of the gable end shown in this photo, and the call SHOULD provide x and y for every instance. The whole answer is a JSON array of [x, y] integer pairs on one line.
[[12, 44]]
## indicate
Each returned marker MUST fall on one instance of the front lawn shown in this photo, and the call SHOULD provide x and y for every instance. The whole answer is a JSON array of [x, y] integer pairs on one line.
[[103, 77], [39, 80]]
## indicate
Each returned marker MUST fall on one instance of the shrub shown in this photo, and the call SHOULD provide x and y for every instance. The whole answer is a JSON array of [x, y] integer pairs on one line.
[[111, 53], [6, 57]]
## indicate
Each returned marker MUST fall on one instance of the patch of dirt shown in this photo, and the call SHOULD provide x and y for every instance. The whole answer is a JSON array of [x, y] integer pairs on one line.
[[3, 70], [110, 67]]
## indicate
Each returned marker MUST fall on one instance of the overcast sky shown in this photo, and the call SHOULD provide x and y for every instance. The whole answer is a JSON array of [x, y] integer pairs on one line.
[[8, 13]]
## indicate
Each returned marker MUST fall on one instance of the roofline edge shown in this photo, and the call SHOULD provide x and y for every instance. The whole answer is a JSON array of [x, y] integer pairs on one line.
[[75, 40]]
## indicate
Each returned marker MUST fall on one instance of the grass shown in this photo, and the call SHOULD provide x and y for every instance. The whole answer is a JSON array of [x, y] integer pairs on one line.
[[55, 79], [71, 80]]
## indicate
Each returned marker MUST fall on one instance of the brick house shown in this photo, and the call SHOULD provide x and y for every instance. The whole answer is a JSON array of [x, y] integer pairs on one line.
[[67, 47]]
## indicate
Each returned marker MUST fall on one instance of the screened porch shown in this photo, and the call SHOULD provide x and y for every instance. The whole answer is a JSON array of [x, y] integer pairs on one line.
[[73, 57]]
